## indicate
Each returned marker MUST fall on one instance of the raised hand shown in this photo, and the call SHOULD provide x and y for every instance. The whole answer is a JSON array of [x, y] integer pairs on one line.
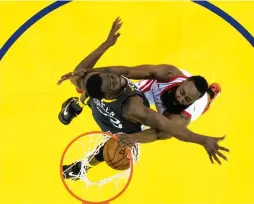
[[114, 34]]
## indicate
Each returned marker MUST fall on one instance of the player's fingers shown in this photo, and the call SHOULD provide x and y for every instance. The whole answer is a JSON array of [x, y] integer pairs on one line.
[[221, 155], [216, 158], [113, 32], [121, 143], [115, 22], [73, 74], [211, 158], [221, 138], [132, 144], [129, 145], [63, 78], [223, 148], [66, 76], [120, 138], [122, 147], [118, 20], [118, 26]]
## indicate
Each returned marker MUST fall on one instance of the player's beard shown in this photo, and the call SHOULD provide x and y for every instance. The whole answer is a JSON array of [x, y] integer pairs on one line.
[[170, 102]]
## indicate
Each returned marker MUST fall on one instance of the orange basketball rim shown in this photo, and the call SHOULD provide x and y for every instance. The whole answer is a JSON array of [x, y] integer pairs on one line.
[[100, 202]]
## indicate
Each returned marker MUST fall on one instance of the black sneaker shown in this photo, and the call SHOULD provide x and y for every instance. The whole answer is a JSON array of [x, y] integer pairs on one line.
[[72, 171], [68, 112]]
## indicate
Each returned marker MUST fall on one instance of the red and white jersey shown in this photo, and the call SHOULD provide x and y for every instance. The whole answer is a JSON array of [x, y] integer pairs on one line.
[[153, 89]]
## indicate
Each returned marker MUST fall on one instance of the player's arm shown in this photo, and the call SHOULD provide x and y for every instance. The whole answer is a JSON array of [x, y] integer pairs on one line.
[[134, 110], [181, 119], [89, 62], [160, 72], [152, 134], [92, 58]]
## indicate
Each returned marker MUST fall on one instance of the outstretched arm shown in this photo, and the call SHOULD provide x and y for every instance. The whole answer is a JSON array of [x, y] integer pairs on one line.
[[134, 110], [152, 134], [163, 128], [160, 72]]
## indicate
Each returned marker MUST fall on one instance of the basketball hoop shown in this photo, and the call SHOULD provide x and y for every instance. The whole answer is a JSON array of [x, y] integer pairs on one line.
[[81, 149]]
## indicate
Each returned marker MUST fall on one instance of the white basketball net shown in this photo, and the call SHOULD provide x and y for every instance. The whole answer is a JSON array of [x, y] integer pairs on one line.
[[94, 144]]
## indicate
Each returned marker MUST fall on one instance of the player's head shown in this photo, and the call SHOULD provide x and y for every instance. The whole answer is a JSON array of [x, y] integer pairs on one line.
[[190, 90], [180, 97], [105, 85]]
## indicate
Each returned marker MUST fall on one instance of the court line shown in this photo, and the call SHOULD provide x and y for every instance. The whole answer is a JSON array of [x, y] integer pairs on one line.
[[243, 31], [22, 29], [233, 22], [14, 37]]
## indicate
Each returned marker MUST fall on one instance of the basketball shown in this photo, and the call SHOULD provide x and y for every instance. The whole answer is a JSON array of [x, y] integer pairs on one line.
[[115, 156]]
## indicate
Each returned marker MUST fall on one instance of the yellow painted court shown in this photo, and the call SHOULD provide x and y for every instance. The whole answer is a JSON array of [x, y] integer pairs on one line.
[[184, 34]]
